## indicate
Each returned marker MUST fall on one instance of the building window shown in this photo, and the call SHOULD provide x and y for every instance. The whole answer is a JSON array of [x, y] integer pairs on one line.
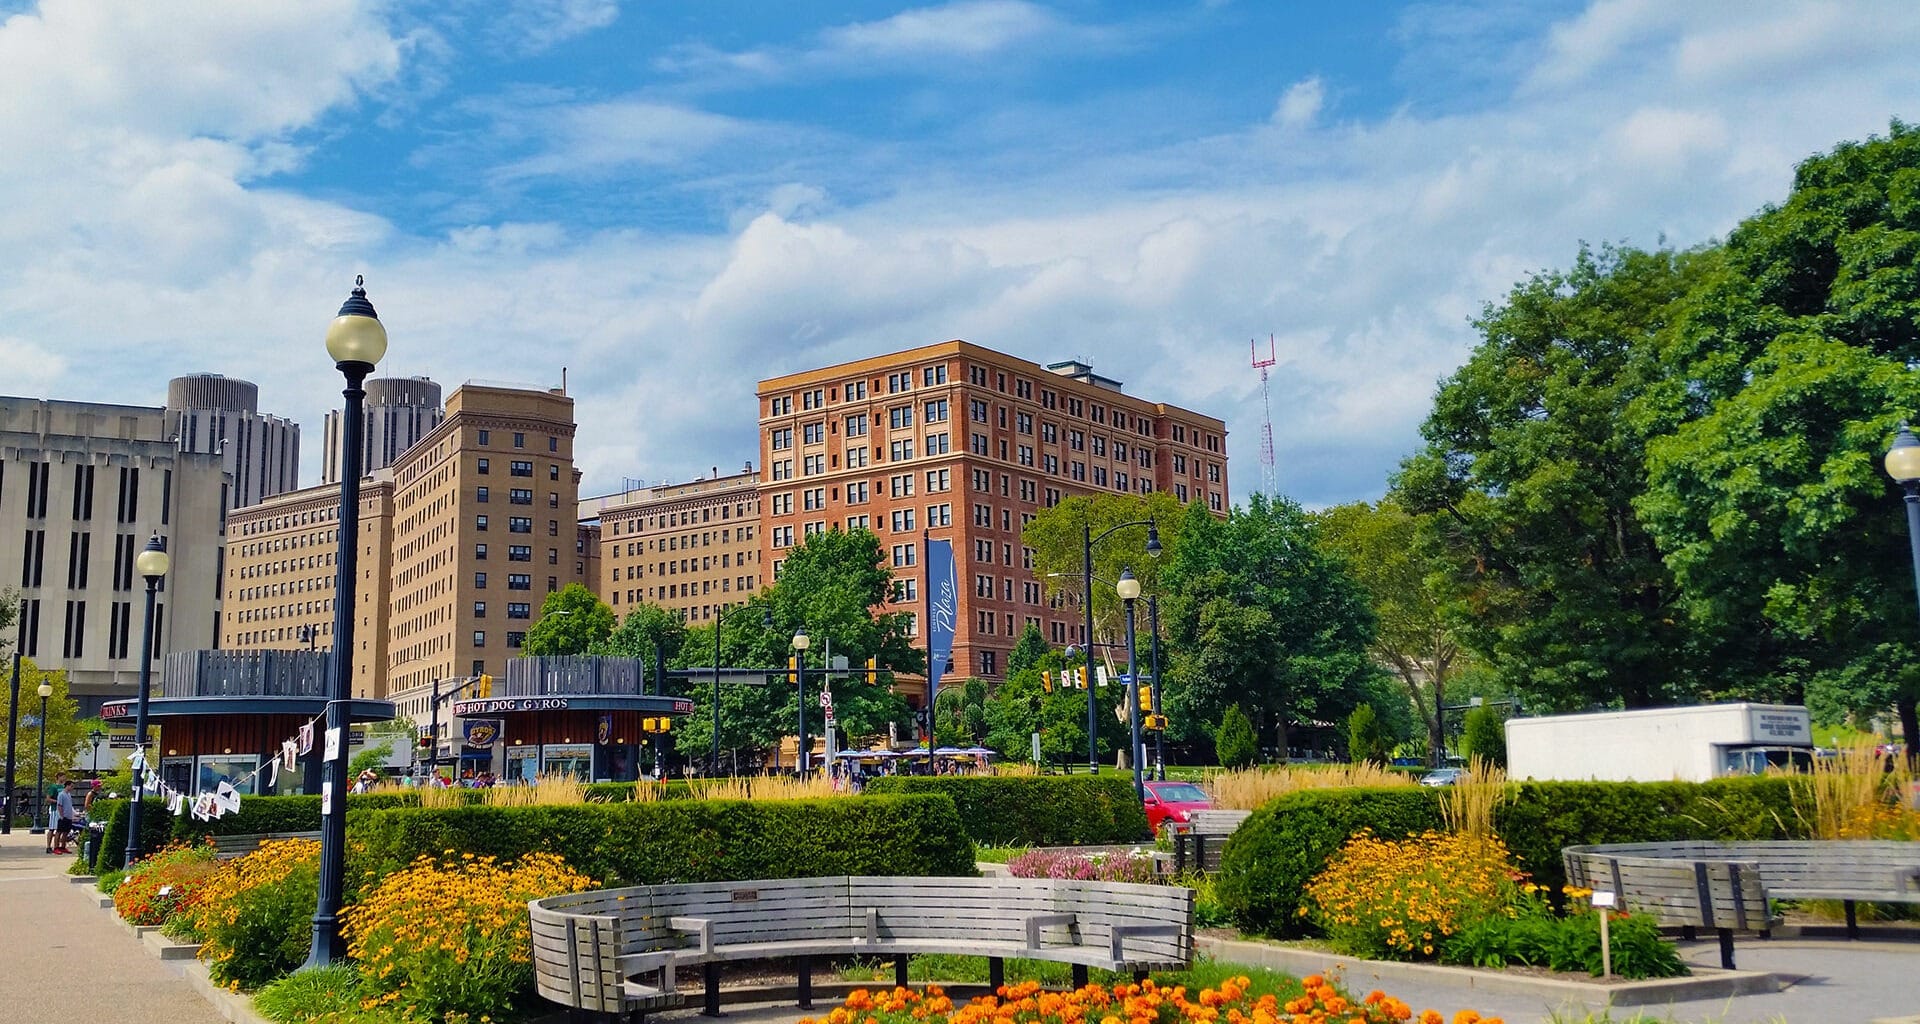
[[937, 444], [900, 417], [479, 609], [519, 524], [480, 522], [519, 610], [516, 639], [814, 433], [813, 465], [520, 467], [989, 663], [940, 515], [479, 581], [519, 440], [519, 553], [482, 466], [486, 437], [780, 439], [520, 495], [900, 451], [480, 495], [902, 520], [519, 581], [781, 406], [479, 638], [856, 426], [936, 411], [857, 492], [480, 551], [932, 375], [553, 444]]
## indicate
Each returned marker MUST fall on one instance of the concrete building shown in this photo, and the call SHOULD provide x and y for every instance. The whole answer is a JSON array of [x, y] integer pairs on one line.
[[82, 487], [280, 581], [693, 547], [968, 444], [399, 412], [212, 414]]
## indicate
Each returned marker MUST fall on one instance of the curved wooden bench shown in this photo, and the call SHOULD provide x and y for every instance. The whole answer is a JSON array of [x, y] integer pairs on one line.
[[592, 950], [1728, 886], [1198, 848]]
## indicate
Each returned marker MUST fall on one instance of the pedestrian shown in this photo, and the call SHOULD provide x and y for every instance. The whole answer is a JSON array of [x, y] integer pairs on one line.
[[52, 797], [63, 834]]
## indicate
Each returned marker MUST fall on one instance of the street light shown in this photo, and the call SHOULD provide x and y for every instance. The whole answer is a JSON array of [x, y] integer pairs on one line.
[[1129, 590], [309, 633], [766, 622], [40, 766], [1086, 551], [152, 564], [800, 644], [1903, 464], [356, 341], [95, 736], [1160, 717]]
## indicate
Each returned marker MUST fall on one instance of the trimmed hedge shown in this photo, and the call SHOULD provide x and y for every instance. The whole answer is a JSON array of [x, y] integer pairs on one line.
[[681, 840], [1271, 858], [1035, 810], [156, 830]]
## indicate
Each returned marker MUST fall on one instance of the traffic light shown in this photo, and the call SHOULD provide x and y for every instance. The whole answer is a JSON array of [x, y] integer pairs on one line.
[[486, 686], [1146, 698], [793, 667], [656, 725], [424, 740], [873, 670], [1082, 672], [1156, 722], [1046, 679]]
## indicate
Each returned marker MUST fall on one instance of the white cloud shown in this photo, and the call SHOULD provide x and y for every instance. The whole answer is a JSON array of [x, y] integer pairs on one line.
[[150, 245], [1300, 104]]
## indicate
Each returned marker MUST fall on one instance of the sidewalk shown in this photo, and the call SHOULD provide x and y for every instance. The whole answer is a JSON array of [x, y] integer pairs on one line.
[[103, 973]]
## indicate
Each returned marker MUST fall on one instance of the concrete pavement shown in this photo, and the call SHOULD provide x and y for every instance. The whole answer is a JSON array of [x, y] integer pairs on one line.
[[54, 947]]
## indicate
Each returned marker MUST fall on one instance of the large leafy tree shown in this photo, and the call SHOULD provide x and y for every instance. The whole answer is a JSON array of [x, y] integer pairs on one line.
[[1261, 617], [1034, 699], [1413, 632], [572, 621], [1787, 375], [1528, 480], [1058, 537], [66, 732]]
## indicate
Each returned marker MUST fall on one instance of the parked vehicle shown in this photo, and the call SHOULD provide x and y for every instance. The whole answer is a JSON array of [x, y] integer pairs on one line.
[[1691, 744], [1169, 804], [1443, 776]]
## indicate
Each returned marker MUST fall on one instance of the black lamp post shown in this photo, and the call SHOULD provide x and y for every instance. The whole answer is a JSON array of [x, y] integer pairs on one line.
[[152, 564], [40, 767], [766, 622], [1903, 464], [310, 633], [13, 727], [1159, 715], [1086, 577], [1129, 590], [95, 736], [800, 644], [356, 341]]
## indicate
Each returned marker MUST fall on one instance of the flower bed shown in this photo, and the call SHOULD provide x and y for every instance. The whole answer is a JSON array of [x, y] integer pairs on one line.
[[164, 884], [1147, 1002], [1097, 867]]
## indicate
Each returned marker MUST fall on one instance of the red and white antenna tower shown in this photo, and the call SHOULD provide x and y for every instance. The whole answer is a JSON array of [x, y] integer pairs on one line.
[[1268, 473]]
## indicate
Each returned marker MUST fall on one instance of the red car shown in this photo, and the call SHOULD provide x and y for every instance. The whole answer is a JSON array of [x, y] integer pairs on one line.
[[1169, 803]]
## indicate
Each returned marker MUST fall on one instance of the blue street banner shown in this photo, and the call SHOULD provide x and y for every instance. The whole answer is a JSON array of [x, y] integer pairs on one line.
[[943, 610], [480, 732]]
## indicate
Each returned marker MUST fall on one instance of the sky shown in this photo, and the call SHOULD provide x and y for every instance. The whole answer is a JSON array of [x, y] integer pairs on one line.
[[673, 200]]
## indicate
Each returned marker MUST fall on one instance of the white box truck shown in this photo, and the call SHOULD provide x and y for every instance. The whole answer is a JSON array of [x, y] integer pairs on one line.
[[1691, 744]]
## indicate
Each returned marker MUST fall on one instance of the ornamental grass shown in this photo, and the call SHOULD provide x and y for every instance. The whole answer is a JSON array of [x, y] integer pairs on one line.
[[544, 791], [169, 882], [1857, 794], [1469, 804], [1403, 900], [1247, 789], [768, 787], [450, 935], [1147, 1002]]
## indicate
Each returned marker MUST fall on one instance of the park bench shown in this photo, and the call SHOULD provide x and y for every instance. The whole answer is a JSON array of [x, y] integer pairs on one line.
[[617, 951], [229, 847], [1728, 886], [1198, 848]]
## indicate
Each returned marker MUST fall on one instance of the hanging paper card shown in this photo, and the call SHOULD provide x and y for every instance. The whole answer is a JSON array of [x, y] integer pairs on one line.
[[139, 759], [326, 797], [332, 752], [290, 755], [273, 774], [306, 738]]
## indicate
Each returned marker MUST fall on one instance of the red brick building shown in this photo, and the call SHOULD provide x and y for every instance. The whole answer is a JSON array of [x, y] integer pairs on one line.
[[968, 444]]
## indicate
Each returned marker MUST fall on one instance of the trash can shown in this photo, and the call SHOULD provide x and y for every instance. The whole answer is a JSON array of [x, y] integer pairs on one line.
[[90, 846]]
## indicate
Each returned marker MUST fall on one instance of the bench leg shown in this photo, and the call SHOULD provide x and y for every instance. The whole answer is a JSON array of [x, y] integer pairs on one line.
[[1853, 922], [710, 982], [805, 965], [1726, 948], [1687, 933], [1079, 976], [996, 973], [900, 971], [1139, 976]]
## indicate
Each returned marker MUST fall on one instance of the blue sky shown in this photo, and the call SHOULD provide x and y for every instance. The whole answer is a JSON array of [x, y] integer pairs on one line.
[[675, 199]]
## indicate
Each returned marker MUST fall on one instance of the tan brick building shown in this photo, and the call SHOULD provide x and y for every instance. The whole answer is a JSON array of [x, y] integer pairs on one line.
[[461, 540], [693, 547], [968, 444], [279, 588]]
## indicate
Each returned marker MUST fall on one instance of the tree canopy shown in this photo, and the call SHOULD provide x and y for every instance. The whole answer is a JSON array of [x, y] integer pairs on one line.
[[1058, 538], [572, 621]]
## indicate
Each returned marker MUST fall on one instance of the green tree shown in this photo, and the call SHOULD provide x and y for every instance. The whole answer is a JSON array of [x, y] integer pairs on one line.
[[960, 718], [1528, 480], [1058, 536], [572, 621], [1259, 616], [1366, 740], [1786, 378], [66, 732], [1234, 741], [1484, 736], [1028, 651], [1413, 633]]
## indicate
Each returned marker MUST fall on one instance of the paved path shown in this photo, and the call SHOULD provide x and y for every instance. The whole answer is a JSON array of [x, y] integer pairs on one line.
[[105, 975]]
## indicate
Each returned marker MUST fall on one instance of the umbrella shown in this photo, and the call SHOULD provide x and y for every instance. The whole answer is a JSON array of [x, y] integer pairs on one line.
[[978, 752], [949, 752]]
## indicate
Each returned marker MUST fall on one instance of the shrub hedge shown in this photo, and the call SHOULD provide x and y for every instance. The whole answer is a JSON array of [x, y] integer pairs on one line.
[[1271, 858], [1035, 810], [681, 840], [156, 828], [258, 815]]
